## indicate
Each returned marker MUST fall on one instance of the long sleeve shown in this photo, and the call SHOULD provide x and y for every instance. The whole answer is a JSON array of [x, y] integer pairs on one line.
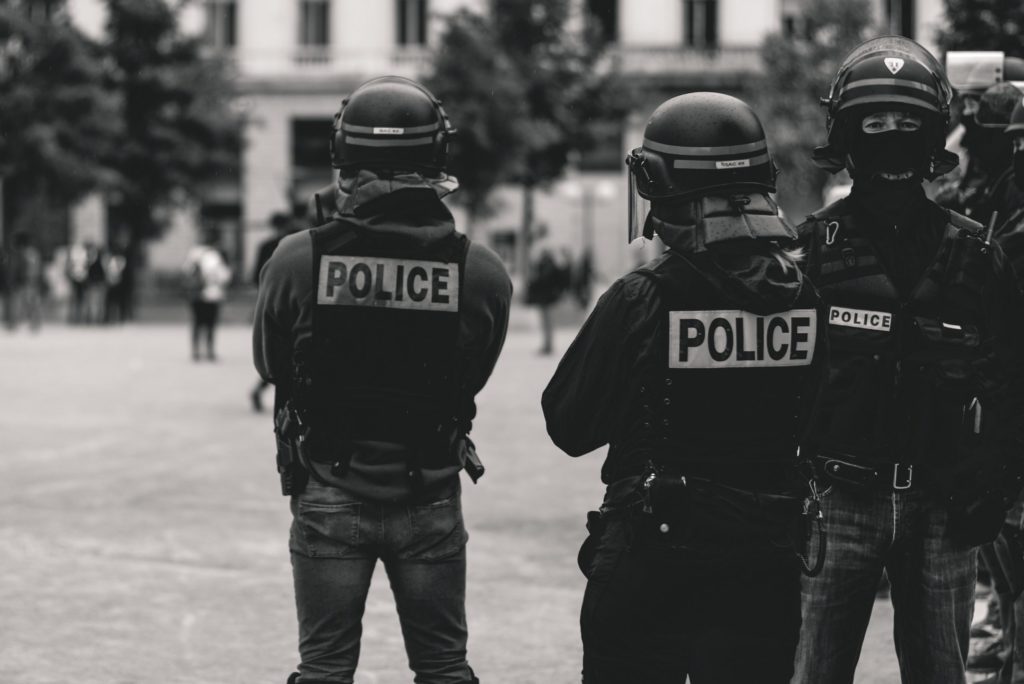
[[584, 402], [283, 304]]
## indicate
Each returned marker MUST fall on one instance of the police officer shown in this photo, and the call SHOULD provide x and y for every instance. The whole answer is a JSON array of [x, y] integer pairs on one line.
[[378, 328], [920, 429], [697, 369], [983, 83]]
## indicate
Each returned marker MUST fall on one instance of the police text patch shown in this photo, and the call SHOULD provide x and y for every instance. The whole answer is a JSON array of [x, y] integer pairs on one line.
[[740, 339], [860, 318], [390, 283]]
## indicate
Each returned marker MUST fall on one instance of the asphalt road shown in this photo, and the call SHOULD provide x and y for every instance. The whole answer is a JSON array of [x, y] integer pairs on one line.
[[143, 538]]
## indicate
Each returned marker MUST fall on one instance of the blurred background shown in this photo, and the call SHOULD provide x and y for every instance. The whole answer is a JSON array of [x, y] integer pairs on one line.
[[127, 125]]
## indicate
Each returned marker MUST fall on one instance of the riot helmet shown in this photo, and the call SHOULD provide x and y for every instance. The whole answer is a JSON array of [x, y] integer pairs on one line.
[[391, 123], [696, 146], [890, 73]]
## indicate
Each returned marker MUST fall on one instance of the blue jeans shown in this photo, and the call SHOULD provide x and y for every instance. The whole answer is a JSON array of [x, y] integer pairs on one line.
[[932, 580], [336, 540]]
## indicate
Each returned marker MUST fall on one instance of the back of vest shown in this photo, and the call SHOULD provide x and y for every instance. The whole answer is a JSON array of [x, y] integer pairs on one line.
[[724, 385], [383, 356]]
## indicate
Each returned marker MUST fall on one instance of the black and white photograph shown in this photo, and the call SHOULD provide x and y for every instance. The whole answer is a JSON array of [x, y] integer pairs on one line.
[[511, 341]]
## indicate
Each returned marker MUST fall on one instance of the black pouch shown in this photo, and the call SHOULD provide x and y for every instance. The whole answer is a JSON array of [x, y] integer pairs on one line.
[[596, 525]]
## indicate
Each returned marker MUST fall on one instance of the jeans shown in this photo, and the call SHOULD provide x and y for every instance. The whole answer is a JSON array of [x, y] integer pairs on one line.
[[932, 587], [336, 540], [657, 613], [1005, 560]]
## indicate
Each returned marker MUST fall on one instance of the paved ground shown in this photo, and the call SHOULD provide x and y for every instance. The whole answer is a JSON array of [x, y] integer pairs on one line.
[[143, 538]]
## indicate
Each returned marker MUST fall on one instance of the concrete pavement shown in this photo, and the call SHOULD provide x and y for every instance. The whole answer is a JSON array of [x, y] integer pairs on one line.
[[143, 538]]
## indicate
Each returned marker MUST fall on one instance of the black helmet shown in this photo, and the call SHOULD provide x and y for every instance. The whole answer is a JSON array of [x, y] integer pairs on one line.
[[995, 106], [891, 72], [391, 123], [697, 145]]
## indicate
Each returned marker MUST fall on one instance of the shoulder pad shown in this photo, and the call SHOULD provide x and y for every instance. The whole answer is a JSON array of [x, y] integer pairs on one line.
[[960, 221]]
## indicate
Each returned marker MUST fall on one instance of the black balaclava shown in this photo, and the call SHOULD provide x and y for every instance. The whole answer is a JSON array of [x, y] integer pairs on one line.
[[1018, 169], [987, 147], [889, 152]]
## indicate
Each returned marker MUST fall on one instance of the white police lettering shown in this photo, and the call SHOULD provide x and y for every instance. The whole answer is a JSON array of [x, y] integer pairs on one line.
[[384, 130], [740, 339], [732, 164], [860, 318], [389, 283]]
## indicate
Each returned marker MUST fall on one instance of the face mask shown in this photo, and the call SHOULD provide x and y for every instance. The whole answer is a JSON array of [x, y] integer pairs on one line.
[[1018, 169], [890, 152]]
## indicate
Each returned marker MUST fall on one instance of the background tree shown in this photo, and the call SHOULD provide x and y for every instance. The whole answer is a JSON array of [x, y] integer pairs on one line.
[[59, 119], [798, 69], [180, 128], [484, 95], [984, 25], [526, 86]]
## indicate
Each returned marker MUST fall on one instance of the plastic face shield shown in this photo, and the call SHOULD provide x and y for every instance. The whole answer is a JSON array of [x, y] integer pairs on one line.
[[638, 207], [975, 71]]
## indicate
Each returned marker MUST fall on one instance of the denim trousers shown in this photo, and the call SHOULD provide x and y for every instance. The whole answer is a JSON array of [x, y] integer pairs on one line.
[[658, 612], [1005, 560], [336, 541], [932, 582]]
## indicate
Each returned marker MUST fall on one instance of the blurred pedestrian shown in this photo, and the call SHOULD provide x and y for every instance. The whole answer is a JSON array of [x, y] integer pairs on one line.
[[282, 225], [77, 272], [27, 283], [207, 275], [5, 287], [548, 277], [95, 285], [115, 306]]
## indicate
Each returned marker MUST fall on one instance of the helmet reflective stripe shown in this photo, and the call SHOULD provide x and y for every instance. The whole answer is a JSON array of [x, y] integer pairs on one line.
[[720, 163], [887, 98], [898, 82], [705, 151], [390, 130], [387, 142]]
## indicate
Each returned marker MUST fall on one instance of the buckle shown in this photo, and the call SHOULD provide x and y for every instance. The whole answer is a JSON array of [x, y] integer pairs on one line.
[[902, 476]]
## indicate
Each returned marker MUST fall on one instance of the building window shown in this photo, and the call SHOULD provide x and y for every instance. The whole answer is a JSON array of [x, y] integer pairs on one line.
[[220, 23], [901, 17], [604, 17], [412, 21], [701, 23], [314, 23]]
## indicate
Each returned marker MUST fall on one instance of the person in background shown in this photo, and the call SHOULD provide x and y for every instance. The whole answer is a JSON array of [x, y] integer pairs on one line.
[[549, 276], [207, 275], [282, 226], [27, 284], [114, 264], [77, 271]]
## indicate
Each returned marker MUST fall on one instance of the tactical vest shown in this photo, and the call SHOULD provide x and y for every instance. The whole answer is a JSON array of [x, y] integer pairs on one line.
[[384, 362], [899, 364], [721, 391]]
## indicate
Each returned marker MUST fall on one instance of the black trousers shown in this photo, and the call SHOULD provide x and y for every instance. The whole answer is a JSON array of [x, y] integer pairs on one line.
[[660, 607]]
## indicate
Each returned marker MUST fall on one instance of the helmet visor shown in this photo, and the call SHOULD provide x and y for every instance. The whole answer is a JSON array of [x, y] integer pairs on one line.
[[637, 206], [972, 70]]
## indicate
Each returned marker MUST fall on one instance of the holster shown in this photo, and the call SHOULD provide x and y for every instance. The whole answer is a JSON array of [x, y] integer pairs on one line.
[[289, 464], [465, 452]]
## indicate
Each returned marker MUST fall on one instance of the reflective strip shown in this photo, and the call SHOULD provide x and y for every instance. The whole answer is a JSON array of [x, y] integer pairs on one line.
[[719, 164], [1019, 126], [887, 98], [387, 142], [408, 130], [899, 82], [706, 151]]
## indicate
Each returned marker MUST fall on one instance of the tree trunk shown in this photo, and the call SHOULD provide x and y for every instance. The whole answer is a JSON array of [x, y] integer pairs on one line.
[[525, 234]]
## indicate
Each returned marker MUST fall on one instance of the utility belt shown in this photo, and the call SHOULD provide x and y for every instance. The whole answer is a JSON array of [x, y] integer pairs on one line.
[[847, 470], [293, 435], [676, 508]]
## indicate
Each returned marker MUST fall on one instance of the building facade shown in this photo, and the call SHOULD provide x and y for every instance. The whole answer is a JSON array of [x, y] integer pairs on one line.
[[296, 60]]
